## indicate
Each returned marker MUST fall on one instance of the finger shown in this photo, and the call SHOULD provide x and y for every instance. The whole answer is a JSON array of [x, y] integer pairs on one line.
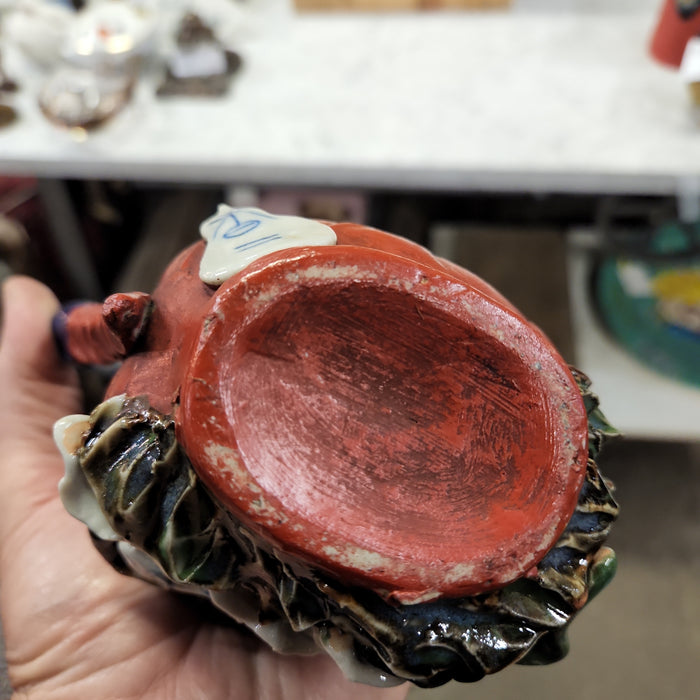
[[27, 348], [32, 374], [37, 387]]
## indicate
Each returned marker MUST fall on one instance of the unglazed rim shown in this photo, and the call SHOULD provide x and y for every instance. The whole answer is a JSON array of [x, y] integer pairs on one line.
[[208, 426]]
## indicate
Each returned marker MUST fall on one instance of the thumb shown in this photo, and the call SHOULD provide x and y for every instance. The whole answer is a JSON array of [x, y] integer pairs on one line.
[[36, 387], [27, 348]]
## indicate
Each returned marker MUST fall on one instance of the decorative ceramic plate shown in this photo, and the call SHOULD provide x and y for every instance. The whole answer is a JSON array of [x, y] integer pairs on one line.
[[650, 301]]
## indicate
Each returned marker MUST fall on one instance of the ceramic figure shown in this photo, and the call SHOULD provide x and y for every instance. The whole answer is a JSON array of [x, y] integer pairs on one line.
[[346, 444], [200, 65]]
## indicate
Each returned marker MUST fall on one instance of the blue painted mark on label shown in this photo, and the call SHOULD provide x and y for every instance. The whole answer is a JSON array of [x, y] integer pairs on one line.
[[259, 241], [234, 224], [236, 237], [241, 229]]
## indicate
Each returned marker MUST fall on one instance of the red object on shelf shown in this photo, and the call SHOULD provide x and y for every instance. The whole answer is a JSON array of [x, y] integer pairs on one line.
[[672, 33]]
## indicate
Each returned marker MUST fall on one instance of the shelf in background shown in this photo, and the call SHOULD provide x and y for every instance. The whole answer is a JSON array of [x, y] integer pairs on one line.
[[638, 401], [538, 100]]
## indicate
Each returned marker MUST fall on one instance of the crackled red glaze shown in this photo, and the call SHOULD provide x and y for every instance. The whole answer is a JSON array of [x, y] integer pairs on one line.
[[375, 411]]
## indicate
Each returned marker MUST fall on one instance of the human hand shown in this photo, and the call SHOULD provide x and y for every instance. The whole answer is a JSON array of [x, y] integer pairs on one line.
[[75, 628]]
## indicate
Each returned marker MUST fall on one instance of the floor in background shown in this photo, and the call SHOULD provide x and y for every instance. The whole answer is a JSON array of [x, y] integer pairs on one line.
[[527, 266]]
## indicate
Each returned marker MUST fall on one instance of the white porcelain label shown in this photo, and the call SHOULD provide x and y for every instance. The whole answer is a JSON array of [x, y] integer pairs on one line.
[[237, 237]]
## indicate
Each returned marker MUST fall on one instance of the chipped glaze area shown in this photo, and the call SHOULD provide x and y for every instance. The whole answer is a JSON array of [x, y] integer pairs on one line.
[[77, 497], [237, 236]]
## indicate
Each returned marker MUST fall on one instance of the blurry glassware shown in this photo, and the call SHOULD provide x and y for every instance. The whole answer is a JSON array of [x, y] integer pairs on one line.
[[77, 97], [108, 32], [101, 55]]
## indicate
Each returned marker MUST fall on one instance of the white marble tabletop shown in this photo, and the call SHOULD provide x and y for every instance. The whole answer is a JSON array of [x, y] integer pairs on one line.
[[538, 100]]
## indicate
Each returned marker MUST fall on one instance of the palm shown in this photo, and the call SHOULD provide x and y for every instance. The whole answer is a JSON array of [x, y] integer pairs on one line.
[[75, 628]]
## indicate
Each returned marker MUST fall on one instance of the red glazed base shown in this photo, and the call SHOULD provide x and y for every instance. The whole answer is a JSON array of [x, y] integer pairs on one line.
[[388, 420]]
